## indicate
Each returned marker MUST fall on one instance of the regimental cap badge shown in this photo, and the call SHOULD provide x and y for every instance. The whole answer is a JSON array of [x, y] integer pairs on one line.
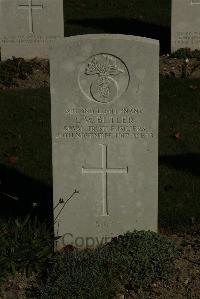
[[103, 78]]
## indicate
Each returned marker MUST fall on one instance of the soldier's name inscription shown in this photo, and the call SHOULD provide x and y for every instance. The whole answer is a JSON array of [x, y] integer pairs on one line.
[[104, 123]]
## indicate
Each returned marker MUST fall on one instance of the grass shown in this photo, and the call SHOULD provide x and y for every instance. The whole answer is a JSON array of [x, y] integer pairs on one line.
[[25, 152], [147, 18], [149, 11], [179, 140], [25, 246], [26, 134]]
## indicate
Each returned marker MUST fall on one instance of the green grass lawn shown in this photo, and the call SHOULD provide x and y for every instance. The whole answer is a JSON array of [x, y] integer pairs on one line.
[[149, 11], [147, 18], [25, 152], [179, 152], [26, 135], [26, 132]]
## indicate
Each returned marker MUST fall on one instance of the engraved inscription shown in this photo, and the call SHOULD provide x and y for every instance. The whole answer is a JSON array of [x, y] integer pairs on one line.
[[103, 78], [29, 7], [188, 38], [104, 170], [28, 39], [108, 123]]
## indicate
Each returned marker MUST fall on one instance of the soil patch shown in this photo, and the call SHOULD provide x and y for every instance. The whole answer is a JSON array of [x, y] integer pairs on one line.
[[38, 77], [24, 74], [179, 67]]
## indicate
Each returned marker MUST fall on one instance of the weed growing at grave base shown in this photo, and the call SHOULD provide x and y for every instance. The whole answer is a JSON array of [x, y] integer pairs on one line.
[[25, 246], [129, 262], [12, 69], [186, 53]]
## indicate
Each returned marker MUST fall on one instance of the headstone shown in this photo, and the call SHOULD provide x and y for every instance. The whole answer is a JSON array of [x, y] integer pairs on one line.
[[29, 27], [185, 24], [104, 101]]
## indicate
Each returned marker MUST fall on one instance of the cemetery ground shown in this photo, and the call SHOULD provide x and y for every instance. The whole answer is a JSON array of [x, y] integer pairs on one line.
[[26, 183], [26, 175]]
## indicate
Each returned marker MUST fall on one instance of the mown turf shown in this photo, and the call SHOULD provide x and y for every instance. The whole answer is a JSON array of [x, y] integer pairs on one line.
[[26, 135], [147, 18], [179, 152], [25, 152], [149, 11]]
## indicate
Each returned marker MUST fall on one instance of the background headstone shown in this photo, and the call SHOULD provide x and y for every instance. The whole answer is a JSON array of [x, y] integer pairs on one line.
[[185, 24], [29, 27], [104, 101]]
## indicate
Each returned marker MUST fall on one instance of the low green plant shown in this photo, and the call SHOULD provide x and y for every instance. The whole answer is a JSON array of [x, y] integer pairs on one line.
[[25, 246], [80, 274], [184, 53], [131, 261], [141, 257]]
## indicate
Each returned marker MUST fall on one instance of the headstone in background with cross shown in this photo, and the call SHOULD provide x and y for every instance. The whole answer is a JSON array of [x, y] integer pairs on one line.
[[28, 28], [104, 107], [185, 27]]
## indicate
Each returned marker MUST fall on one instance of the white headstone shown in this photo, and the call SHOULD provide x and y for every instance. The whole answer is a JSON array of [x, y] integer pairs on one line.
[[185, 24], [104, 101], [29, 27]]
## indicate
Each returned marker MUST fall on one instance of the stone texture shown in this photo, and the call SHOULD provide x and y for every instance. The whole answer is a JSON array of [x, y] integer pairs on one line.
[[185, 24], [104, 101], [29, 27]]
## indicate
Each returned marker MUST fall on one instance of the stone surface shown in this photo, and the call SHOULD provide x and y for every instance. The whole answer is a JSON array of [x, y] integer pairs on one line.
[[185, 24], [104, 101], [29, 27]]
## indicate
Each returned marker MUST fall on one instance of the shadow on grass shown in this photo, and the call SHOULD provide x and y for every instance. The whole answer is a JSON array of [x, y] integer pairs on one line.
[[125, 26], [21, 195], [185, 162], [179, 187]]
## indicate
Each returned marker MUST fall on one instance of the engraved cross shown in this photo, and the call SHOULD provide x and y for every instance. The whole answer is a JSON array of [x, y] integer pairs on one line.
[[30, 8], [104, 170]]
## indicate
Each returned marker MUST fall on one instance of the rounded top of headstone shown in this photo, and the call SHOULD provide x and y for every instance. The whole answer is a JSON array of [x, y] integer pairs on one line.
[[110, 37]]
